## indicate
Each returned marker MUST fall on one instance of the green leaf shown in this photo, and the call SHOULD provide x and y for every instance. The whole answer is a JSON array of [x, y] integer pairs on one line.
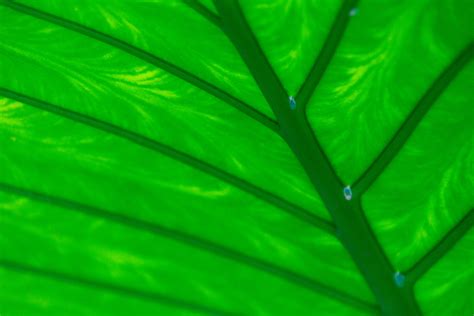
[[151, 162]]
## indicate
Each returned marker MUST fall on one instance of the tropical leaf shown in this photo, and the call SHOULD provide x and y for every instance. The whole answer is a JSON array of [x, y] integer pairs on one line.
[[236, 157]]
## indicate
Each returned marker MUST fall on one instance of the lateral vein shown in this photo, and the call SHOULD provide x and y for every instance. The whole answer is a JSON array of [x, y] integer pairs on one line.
[[148, 58], [143, 141]]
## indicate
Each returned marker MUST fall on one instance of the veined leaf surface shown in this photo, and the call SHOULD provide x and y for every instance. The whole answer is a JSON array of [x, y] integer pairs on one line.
[[236, 157]]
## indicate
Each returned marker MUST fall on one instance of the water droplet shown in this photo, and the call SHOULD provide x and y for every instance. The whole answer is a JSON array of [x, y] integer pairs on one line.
[[353, 11], [347, 193], [292, 102], [399, 279]]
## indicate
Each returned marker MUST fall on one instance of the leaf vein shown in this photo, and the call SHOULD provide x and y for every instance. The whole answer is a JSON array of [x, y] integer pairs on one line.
[[119, 289], [404, 132], [193, 241], [440, 249], [143, 141], [326, 53], [151, 59]]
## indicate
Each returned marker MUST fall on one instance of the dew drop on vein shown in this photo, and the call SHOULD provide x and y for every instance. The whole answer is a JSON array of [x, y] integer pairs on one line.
[[347, 191], [292, 102], [353, 11]]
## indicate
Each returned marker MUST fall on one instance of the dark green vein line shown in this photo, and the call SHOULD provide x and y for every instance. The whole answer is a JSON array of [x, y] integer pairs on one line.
[[352, 228], [184, 158], [408, 127], [440, 249], [292, 123], [205, 12], [193, 241], [118, 289], [148, 58], [325, 55]]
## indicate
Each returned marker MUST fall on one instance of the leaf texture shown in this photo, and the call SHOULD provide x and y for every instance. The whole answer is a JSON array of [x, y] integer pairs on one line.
[[438, 291], [391, 52], [152, 164], [440, 191]]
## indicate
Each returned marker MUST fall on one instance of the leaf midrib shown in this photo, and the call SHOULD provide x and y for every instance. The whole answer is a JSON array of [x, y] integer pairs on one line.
[[348, 217]]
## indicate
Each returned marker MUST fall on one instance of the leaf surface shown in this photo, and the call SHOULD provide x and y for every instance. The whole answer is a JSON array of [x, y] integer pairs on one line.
[[152, 163]]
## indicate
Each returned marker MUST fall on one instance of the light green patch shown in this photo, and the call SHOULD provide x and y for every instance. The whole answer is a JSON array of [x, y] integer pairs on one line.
[[390, 54], [422, 193], [291, 34], [154, 26], [447, 288]]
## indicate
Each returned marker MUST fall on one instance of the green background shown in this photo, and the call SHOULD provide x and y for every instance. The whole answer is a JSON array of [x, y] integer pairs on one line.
[[129, 188]]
